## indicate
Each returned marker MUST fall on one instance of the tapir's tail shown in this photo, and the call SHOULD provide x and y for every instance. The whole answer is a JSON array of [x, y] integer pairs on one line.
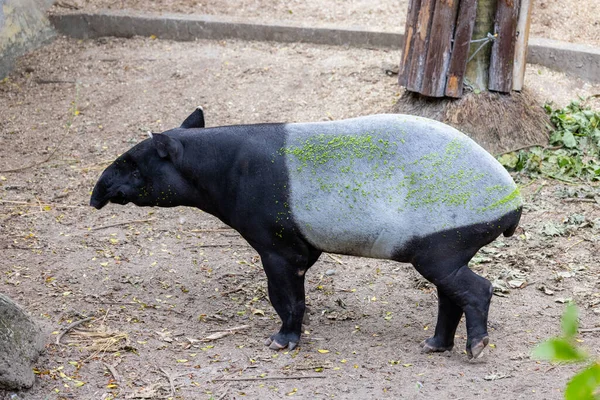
[[516, 217]]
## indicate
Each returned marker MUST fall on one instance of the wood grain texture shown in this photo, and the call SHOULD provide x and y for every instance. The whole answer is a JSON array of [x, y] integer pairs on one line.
[[460, 49], [409, 32], [522, 39], [440, 47], [503, 48], [420, 46]]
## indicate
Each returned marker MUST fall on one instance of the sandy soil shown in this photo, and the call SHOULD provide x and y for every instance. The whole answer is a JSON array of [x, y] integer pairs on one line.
[[579, 22], [159, 281]]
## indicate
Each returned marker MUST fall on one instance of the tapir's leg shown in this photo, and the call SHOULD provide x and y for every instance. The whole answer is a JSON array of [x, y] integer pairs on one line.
[[463, 289], [449, 314], [286, 291]]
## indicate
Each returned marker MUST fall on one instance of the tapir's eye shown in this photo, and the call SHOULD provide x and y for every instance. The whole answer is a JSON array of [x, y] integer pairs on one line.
[[136, 174]]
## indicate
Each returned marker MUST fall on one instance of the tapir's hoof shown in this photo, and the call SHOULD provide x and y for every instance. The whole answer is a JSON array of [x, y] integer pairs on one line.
[[476, 349], [276, 343], [430, 346]]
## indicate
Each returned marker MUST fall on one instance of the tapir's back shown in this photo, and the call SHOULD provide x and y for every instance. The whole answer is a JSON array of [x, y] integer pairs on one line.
[[366, 186]]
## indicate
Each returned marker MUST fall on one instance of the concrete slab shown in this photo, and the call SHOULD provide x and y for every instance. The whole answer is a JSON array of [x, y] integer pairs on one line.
[[579, 60]]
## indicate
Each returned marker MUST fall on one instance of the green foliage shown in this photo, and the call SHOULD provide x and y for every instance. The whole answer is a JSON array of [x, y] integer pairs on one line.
[[586, 384], [572, 152]]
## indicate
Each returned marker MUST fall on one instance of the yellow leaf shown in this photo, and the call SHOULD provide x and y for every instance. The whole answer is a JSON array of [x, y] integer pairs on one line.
[[182, 360], [323, 351], [152, 37], [257, 311], [407, 365], [343, 361], [114, 241], [78, 383], [493, 346], [104, 264], [319, 369], [112, 386]]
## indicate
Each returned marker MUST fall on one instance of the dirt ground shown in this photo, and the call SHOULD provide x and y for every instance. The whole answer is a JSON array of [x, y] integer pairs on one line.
[[159, 282], [579, 22]]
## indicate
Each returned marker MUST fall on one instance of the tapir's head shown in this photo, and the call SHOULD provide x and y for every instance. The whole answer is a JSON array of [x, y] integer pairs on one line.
[[149, 174]]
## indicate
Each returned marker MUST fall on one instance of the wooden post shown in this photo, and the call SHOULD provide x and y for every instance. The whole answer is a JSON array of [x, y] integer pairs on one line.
[[409, 32], [420, 45], [460, 49], [440, 46], [503, 49], [523, 25]]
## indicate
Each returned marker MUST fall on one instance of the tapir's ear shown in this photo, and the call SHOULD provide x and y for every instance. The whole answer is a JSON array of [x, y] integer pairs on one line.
[[167, 146], [195, 120]]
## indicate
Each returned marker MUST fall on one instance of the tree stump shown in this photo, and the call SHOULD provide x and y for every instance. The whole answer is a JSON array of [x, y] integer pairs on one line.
[[21, 342]]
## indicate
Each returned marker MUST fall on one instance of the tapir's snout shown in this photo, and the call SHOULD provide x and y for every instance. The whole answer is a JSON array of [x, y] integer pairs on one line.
[[99, 198]]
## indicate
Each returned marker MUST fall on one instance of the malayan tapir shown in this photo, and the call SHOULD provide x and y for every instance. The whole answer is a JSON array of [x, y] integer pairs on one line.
[[388, 186]]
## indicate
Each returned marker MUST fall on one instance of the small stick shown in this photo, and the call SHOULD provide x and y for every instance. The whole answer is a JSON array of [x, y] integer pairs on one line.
[[583, 200], [573, 245], [544, 148], [30, 204], [269, 378], [113, 372], [221, 397], [170, 378], [68, 328], [135, 221], [223, 245], [589, 330], [234, 329], [336, 259], [211, 230]]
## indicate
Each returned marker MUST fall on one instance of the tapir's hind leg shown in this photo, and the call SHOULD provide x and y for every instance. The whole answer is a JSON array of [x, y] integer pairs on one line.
[[285, 276], [448, 318], [461, 290]]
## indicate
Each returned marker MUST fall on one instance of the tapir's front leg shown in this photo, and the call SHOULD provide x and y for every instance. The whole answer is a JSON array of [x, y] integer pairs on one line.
[[285, 276]]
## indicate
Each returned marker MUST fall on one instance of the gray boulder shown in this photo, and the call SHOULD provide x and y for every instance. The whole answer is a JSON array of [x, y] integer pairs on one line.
[[21, 342]]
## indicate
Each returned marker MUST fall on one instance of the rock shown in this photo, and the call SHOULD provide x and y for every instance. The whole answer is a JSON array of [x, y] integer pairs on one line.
[[21, 342]]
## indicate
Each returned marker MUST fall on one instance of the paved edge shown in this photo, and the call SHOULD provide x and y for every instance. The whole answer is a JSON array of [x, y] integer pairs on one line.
[[580, 60]]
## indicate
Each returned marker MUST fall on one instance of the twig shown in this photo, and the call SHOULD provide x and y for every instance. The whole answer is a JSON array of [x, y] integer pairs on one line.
[[269, 378], [589, 330], [30, 204], [113, 372], [171, 382], [576, 199], [573, 245], [68, 328], [211, 230], [221, 397], [223, 245], [136, 221], [336, 259], [544, 148], [234, 329], [47, 81]]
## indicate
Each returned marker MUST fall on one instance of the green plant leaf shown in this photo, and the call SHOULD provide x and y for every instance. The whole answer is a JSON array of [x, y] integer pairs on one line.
[[569, 321], [569, 140], [509, 160], [558, 349], [583, 385]]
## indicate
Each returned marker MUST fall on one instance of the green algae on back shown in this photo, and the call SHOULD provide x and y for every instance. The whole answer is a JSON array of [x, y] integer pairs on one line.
[[427, 182], [323, 149]]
